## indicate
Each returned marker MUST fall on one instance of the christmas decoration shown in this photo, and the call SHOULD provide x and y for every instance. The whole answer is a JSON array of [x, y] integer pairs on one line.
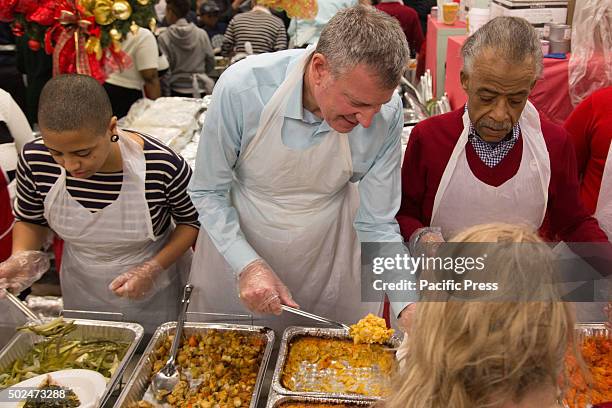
[[34, 45], [84, 36]]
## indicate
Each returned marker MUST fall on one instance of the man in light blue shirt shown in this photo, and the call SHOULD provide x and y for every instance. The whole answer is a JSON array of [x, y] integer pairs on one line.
[[287, 137], [305, 32]]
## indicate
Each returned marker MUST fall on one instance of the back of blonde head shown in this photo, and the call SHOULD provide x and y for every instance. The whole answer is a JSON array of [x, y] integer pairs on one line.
[[484, 354]]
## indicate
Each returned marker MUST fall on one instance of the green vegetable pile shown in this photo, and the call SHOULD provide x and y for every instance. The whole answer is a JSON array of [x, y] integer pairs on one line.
[[57, 352]]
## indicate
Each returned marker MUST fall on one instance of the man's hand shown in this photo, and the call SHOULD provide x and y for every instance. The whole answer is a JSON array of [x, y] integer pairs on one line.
[[22, 269], [406, 317], [261, 290], [138, 282]]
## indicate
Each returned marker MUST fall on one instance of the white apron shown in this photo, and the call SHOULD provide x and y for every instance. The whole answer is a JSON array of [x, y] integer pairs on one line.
[[101, 246], [603, 212], [296, 209], [462, 200]]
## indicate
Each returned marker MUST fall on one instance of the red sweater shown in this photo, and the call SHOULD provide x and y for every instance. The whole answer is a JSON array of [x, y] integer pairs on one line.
[[430, 146], [409, 21], [590, 129]]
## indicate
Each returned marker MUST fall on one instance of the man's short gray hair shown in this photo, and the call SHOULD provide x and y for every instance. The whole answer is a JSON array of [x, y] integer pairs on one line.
[[365, 35], [512, 38]]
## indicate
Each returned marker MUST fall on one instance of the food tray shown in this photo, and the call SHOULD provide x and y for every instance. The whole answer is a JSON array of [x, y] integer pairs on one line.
[[292, 332], [591, 329], [12, 317], [139, 381], [130, 333], [276, 401]]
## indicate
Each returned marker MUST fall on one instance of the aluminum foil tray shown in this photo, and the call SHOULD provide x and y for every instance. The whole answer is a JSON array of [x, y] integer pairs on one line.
[[130, 333], [139, 381], [591, 329], [310, 375], [277, 401]]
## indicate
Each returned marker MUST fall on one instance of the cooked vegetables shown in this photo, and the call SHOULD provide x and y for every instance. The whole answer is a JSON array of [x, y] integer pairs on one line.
[[597, 387], [57, 352], [222, 367], [66, 398]]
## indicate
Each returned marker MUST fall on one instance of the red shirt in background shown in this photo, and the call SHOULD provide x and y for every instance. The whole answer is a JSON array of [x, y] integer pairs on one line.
[[409, 21], [590, 129], [430, 147]]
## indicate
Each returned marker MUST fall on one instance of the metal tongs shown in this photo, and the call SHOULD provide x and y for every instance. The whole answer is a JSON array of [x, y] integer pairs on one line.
[[314, 317], [168, 377]]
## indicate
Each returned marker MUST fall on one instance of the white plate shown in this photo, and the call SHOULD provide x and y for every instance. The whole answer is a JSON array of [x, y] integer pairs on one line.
[[88, 386]]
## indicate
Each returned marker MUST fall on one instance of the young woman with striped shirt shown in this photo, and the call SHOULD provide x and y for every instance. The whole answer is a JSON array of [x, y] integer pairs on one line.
[[118, 200]]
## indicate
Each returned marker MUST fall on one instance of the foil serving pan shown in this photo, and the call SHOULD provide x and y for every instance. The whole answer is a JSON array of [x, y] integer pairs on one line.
[[583, 330], [309, 374], [139, 382], [130, 333], [277, 401]]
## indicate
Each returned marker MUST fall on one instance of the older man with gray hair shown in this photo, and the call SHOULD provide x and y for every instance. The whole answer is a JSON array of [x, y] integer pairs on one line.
[[496, 159], [287, 137]]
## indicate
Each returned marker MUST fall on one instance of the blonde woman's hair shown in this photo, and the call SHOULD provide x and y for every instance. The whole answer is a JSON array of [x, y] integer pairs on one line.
[[465, 354]]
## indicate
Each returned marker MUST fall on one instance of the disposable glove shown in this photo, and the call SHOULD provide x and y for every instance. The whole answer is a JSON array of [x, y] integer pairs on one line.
[[425, 240], [21, 270], [406, 317], [138, 282], [261, 290]]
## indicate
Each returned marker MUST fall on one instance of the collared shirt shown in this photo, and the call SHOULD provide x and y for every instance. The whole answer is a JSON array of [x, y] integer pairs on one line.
[[491, 153], [304, 32], [231, 123]]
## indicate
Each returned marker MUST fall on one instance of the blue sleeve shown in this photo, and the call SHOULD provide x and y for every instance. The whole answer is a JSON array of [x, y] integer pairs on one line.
[[209, 187], [380, 189], [380, 194]]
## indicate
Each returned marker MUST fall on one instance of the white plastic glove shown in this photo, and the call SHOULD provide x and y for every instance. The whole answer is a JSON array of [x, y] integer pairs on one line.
[[424, 240], [138, 282], [261, 290], [21, 270], [406, 317]]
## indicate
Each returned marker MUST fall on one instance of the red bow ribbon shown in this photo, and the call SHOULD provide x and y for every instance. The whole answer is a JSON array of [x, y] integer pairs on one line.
[[73, 27]]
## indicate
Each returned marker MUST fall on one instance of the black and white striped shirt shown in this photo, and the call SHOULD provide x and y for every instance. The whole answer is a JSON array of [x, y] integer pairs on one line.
[[166, 180], [264, 31]]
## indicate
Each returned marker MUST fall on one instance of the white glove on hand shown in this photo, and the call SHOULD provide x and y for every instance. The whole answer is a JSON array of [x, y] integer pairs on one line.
[[261, 290], [138, 282], [21, 270]]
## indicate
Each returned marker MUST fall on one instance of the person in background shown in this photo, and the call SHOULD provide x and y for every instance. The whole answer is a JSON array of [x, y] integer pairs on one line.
[[497, 354], [590, 130], [189, 53], [423, 9], [15, 132], [496, 159], [264, 31], [305, 32], [409, 21], [208, 19], [11, 79], [37, 68], [126, 87], [118, 200]]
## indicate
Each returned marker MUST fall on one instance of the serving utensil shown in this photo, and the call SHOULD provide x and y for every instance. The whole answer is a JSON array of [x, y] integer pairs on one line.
[[168, 377], [314, 317]]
